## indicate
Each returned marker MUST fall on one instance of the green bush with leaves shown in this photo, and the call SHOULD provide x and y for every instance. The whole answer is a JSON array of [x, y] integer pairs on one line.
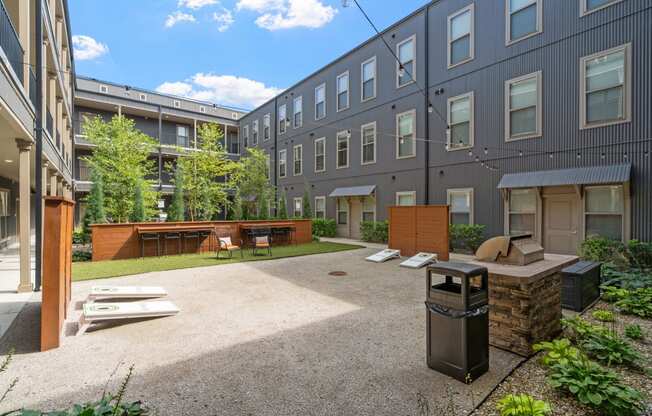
[[604, 250], [324, 227], [625, 277], [634, 331], [637, 302], [81, 255], [613, 294], [522, 405], [603, 315], [466, 237], [375, 231]]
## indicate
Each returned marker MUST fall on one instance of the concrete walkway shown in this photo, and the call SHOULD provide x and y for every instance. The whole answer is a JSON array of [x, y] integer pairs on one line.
[[278, 337], [11, 303]]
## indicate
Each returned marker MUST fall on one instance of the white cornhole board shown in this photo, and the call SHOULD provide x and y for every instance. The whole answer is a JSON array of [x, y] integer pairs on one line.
[[384, 255], [419, 260], [125, 292], [96, 312]]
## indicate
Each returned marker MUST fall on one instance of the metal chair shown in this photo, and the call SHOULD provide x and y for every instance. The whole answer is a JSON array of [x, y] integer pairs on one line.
[[172, 236], [149, 237], [262, 242], [225, 244]]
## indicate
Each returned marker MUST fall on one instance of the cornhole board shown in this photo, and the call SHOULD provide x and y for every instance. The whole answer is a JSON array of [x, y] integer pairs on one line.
[[97, 312], [125, 292], [419, 260], [383, 256]]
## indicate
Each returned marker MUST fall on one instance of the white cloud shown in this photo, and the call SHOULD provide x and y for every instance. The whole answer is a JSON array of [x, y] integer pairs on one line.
[[224, 20], [177, 17], [221, 89], [86, 48], [196, 4], [288, 14]]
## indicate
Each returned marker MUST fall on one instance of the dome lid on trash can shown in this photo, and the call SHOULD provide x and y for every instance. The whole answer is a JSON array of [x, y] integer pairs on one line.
[[457, 269]]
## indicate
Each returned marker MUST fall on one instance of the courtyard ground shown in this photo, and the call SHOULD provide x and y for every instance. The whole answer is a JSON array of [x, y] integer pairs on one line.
[[279, 337]]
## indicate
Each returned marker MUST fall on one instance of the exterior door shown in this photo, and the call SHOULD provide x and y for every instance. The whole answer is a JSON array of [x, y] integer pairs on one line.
[[355, 217], [561, 224]]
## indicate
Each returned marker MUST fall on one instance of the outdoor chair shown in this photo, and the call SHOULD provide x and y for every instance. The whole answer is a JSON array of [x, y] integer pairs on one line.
[[190, 235], [150, 237], [172, 236], [225, 244], [262, 242]]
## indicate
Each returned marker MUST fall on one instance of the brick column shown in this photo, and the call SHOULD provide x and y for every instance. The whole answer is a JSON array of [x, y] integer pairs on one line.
[[24, 148]]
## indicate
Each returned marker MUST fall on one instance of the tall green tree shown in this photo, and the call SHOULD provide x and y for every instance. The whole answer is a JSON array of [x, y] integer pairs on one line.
[[263, 208], [282, 210], [121, 159], [306, 208], [177, 209], [94, 206], [252, 183], [138, 211]]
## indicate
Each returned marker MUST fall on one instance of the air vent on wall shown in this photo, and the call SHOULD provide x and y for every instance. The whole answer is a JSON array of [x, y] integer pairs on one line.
[[104, 89], [234, 116], [143, 97]]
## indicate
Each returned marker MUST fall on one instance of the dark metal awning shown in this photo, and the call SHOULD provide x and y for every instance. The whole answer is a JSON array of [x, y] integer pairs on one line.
[[575, 176], [353, 191]]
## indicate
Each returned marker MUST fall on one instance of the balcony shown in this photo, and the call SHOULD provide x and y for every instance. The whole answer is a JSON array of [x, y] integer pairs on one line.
[[84, 172], [58, 141], [32, 86], [49, 123], [176, 141], [10, 42]]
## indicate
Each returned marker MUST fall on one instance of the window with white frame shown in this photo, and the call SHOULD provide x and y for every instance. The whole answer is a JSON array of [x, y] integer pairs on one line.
[[606, 87], [368, 143], [368, 79], [461, 205], [523, 107], [460, 121], [266, 126], [342, 211], [254, 134], [524, 19], [297, 108], [320, 102], [142, 96], [406, 65], [320, 207], [176, 103], [245, 136], [104, 89], [522, 211], [461, 36], [589, 6], [320, 155], [202, 109], [282, 163], [406, 145], [343, 149], [282, 119], [297, 159], [343, 91], [297, 208], [406, 198], [183, 133], [604, 211], [369, 209]]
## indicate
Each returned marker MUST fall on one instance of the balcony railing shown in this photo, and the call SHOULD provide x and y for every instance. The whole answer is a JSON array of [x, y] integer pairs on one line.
[[175, 140], [10, 42], [49, 123], [58, 141], [32, 87]]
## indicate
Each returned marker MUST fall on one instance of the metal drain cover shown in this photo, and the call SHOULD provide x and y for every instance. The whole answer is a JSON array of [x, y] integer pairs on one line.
[[337, 273]]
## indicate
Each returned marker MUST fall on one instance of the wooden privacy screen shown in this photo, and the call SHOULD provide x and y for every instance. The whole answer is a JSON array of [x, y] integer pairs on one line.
[[57, 268], [415, 229], [121, 241]]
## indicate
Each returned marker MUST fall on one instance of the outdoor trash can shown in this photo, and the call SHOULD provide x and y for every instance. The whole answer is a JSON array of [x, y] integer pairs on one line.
[[458, 320], [580, 285]]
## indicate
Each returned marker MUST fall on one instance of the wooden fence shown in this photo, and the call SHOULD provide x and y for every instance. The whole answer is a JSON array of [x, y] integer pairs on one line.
[[417, 229], [57, 268]]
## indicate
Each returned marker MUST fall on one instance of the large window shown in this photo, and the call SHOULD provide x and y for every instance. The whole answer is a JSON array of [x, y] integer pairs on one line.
[[460, 36], [461, 206], [368, 143], [266, 127], [297, 208], [183, 136], [460, 121], [297, 159], [406, 198], [343, 91], [589, 6], [254, 134], [406, 66], [282, 163], [320, 155], [604, 211], [297, 107], [523, 107], [368, 79], [522, 211], [343, 149], [320, 102], [406, 145], [282, 119], [320, 207], [342, 211], [524, 19], [369, 209], [606, 87]]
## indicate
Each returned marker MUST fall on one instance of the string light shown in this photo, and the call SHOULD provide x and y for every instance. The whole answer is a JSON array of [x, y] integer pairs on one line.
[[579, 155], [551, 155], [486, 151], [603, 156]]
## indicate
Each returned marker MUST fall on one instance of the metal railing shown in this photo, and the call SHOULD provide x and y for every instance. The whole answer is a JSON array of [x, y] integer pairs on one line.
[[10, 42], [49, 123], [58, 141], [32, 87]]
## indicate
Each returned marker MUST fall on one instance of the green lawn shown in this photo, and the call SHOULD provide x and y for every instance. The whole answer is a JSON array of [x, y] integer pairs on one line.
[[114, 268]]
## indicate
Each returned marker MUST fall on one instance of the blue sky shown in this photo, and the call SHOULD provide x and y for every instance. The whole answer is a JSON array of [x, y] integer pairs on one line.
[[233, 52]]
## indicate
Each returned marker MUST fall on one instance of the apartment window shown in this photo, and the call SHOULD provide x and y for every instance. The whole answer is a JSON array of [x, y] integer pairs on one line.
[[342, 211], [369, 209], [234, 116], [320, 207], [406, 145], [524, 19], [297, 107], [343, 91], [176, 103], [202, 109], [320, 102], [104, 89], [604, 211], [183, 136], [589, 6], [461, 206], [368, 79], [522, 211], [343, 149], [320, 155], [254, 134], [266, 127], [606, 87], [297, 212], [406, 198], [282, 119], [523, 107], [245, 135], [368, 143], [405, 67], [460, 121], [142, 96], [297, 159], [460, 36], [282, 163]]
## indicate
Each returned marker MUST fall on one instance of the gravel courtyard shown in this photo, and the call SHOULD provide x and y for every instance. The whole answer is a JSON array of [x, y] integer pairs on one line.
[[277, 337]]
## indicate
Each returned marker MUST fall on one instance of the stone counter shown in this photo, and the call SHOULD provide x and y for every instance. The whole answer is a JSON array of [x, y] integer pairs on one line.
[[525, 301]]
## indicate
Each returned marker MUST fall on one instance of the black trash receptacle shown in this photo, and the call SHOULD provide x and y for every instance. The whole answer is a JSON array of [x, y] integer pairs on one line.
[[580, 285], [458, 320]]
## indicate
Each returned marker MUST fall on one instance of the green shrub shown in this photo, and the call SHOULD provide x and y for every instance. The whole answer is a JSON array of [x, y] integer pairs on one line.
[[603, 315], [612, 294], [466, 236], [625, 277], [522, 405], [375, 231], [324, 227], [604, 250], [639, 254], [557, 351], [637, 302], [634, 331], [80, 237], [80, 255]]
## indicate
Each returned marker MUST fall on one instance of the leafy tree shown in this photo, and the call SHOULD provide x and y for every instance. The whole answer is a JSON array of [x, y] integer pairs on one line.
[[282, 207], [263, 208], [177, 209], [121, 160], [94, 206], [138, 212], [251, 181], [236, 209], [306, 209]]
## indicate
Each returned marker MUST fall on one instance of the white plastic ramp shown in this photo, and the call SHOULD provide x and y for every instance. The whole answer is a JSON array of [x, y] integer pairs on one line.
[[383, 256], [126, 292], [97, 312], [419, 260]]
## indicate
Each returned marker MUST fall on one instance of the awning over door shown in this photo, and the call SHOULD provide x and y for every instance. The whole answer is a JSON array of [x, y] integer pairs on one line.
[[353, 191], [576, 176]]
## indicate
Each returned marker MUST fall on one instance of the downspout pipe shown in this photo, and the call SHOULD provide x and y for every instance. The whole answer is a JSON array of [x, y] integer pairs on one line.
[[38, 160], [426, 108], [275, 155]]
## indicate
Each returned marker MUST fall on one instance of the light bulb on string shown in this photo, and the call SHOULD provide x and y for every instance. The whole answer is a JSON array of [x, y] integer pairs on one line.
[[625, 155], [579, 155], [486, 151], [470, 153], [430, 108], [551, 156], [603, 156], [401, 71], [520, 153]]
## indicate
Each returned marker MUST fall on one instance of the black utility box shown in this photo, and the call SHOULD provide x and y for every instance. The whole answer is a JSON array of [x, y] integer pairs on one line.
[[580, 285]]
